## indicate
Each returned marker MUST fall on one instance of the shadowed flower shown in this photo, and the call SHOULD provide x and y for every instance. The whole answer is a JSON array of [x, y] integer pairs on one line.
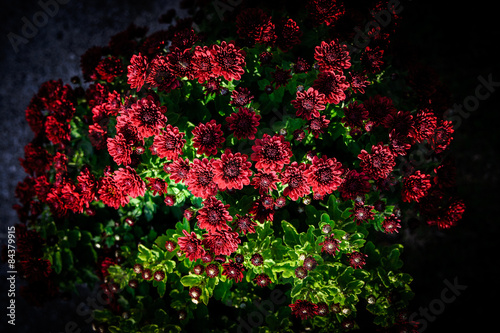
[[137, 71], [304, 309], [191, 245], [223, 242], [208, 138], [332, 57], [415, 186], [309, 103], [324, 175], [160, 75], [233, 271], [354, 115], [332, 85], [241, 97], [355, 184], [214, 215], [244, 123]]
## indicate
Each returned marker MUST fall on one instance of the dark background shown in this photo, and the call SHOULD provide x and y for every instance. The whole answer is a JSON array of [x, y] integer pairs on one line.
[[459, 40]]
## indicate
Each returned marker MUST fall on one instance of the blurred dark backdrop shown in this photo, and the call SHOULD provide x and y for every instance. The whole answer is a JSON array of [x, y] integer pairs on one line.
[[459, 40]]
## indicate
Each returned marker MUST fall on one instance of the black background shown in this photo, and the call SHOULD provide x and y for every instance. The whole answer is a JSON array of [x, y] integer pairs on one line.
[[459, 40]]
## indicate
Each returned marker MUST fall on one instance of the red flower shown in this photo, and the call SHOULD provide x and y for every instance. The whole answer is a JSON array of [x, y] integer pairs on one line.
[[109, 68], [228, 61], [304, 309], [425, 125], [156, 185], [402, 122], [372, 59], [233, 271], [245, 223], [244, 123], [295, 176], [111, 194], [332, 57], [265, 181], [309, 103], [355, 184], [86, 186], [200, 179], [137, 71], [179, 63], [332, 85], [202, 64], [254, 25], [362, 213], [324, 175], [280, 77], [195, 292], [327, 12], [271, 152], [241, 97], [147, 117], [214, 215], [317, 125], [169, 200], [160, 75], [454, 213], [179, 170], [232, 171], [120, 149], [97, 136], [301, 66], [357, 259], [442, 136], [354, 115], [130, 182], [56, 131], [262, 280], [191, 246], [208, 138], [169, 143], [379, 164], [330, 245], [415, 186], [358, 81], [288, 35], [391, 224], [379, 108], [223, 242], [212, 270]]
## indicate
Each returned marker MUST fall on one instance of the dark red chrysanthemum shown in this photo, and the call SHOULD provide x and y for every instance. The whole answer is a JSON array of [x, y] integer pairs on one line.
[[147, 117], [304, 309], [300, 272], [58, 132], [371, 58], [111, 194], [203, 64], [262, 280], [309, 103], [391, 224], [109, 68], [357, 259], [401, 122], [169, 200], [362, 213], [160, 75], [399, 143], [255, 26], [379, 164], [244, 123], [245, 223], [179, 63], [355, 184], [214, 215], [191, 246], [36, 159], [195, 292], [265, 181], [137, 71], [332, 85], [332, 57], [241, 97], [310, 263], [325, 11], [330, 245], [233, 271], [200, 179], [324, 175], [208, 138], [379, 107], [288, 34], [295, 176], [257, 259], [87, 186], [184, 38], [97, 136], [415, 186], [358, 81], [130, 182], [212, 270], [170, 246], [354, 115], [156, 185], [442, 136], [228, 61], [232, 171], [271, 153], [178, 170], [280, 77], [301, 66], [169, 143], [453, 214], [260, 212], [35, 269], [223, 242], [425, 125], [120, 149]]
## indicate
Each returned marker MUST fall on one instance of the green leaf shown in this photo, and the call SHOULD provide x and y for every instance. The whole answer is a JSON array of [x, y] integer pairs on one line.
[[73, 237], [290, 237], [144, 253], [191, 280], [57, 262], [161, 288]]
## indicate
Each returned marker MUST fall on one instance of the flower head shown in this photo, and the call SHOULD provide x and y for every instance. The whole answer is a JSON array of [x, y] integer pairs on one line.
[[309, 103], [228, 61], [223, 242], [147, 117], [245, 223], [265, 181], [415, 186], [271, 152], [232, 171], [214, 215], [304, 309], [244, 123], [191, 245], [233, 271], [324, 175], [330, 245], [129, 182], [332, 85], [262, 280], [391, 224], [208, 138], [357, 259], [169, 143], [200, 179], [379, 164], [332, 57], [295, 177], [137, 71]]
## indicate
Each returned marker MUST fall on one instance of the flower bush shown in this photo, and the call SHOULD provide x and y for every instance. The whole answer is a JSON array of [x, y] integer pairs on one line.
[[212, 167]]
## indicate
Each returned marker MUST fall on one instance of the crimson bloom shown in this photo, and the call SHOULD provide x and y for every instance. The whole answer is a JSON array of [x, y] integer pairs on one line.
[[244, 123], [137, 71], [120, 149], [304, 309], [109, 68], [169, 143], [309, 103], [332, 85], [391, 224], [379, 164], [332, 57], [160, 76], [156, 185], [379, 108], [330, 245], [265, 181], [425, 124], [254, 25], [442, 136], [202, 62], [362, 213], [111, 194], [147, 117], [357, 259], [324, 175], [355, 184], [288, 34], [222, 242], [415, 186], [191, 245], [354, 115], [271, 152], [228, 61], [208, 138], [200, 179], [129, 182], [214, 215], [233, 270], [262, 280], [178, 170], [327, 12], [232, 171], [245, 223], [241, 97], [295, 176]]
